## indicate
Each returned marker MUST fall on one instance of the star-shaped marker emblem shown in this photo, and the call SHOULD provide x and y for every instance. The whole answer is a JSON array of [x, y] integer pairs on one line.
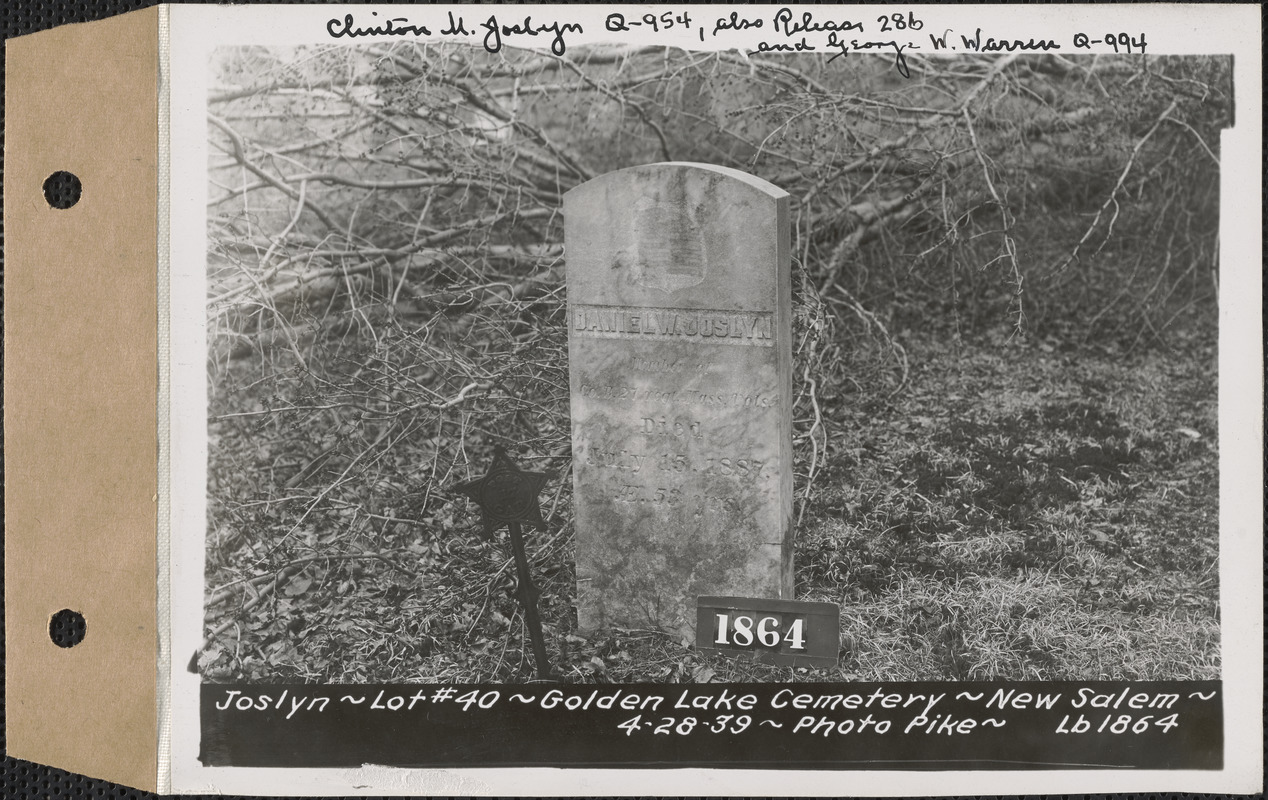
[[506, 493]]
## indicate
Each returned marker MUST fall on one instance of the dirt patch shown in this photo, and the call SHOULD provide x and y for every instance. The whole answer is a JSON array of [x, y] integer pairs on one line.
[[1014, 465]]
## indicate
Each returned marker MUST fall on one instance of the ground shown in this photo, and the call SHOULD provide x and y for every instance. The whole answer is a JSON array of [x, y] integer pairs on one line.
[[1022, 509]]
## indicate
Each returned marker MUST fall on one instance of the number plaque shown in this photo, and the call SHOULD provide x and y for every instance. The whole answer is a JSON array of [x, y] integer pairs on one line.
[[789, 632]]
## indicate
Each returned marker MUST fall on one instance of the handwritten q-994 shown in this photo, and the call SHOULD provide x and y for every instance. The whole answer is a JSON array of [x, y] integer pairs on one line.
[[789, 32]]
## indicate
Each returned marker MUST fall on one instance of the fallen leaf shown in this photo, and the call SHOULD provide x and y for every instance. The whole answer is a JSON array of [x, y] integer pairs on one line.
[[298, 586], [209, 657]]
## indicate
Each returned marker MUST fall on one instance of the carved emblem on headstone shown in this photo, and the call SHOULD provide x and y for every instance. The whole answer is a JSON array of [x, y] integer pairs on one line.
[[670, 252]]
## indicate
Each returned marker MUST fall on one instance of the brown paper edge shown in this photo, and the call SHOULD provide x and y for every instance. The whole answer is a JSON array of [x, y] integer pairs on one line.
[[80, 407]]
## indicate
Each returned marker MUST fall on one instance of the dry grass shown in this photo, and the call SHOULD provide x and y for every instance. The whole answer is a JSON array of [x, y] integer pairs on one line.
[[1018, 513]]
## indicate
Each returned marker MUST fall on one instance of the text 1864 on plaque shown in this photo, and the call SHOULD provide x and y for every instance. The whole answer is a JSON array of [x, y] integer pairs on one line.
[[788, 632]]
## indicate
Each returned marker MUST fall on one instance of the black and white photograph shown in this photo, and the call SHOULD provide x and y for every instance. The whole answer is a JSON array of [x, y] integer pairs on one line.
[[850, 398], [1000, 307]]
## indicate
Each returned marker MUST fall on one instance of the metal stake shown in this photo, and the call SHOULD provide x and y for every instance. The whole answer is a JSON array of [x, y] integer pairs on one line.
[[507, 495], [527, 592]]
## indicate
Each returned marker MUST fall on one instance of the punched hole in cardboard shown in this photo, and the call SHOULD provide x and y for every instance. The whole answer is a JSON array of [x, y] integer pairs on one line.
[[67, 628], [62, 189]]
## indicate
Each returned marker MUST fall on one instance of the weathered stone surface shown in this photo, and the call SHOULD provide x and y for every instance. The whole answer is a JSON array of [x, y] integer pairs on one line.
[[679, 346]]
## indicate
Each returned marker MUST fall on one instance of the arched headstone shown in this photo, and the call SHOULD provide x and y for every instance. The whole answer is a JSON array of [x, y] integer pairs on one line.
[[680, 362]]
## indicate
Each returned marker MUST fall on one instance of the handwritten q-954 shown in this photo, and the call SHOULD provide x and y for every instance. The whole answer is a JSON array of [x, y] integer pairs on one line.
[[783, 31]]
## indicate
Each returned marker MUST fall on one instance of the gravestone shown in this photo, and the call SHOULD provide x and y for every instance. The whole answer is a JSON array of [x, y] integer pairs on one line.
[[680, 364]]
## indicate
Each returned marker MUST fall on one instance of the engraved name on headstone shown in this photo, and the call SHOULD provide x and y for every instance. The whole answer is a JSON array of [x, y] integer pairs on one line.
[[680, 362]]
